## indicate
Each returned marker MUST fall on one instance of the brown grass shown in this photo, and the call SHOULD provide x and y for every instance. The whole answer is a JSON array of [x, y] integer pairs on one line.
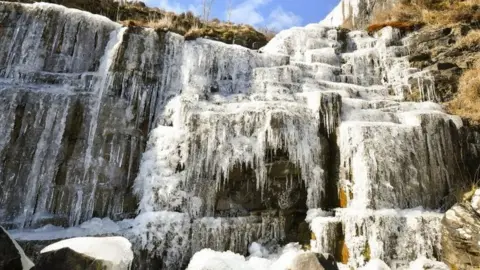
[[467, 102], [472, 39], [428, 12]]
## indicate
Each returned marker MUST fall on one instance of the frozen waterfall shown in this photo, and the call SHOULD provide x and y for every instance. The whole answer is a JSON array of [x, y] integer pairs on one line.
[[190, 145]]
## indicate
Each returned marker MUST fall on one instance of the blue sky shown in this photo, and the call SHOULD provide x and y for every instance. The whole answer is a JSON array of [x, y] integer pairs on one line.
[[274, 14]]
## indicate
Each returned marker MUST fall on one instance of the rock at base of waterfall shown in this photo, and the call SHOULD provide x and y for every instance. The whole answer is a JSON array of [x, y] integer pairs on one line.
[[290, 257], [66, 258], [461, 235], [12, 256], [306, 261], [327, 261], [111, 252], [423, 263]]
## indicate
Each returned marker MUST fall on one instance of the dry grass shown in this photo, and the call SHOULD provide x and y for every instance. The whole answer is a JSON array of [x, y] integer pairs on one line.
[[467, 102], [472, 39], [429, 12]]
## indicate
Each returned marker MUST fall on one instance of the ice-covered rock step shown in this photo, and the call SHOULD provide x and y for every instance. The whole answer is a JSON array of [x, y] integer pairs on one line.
[[347, 90], [372, 177], [298, 40], [71, 81], [272, 87], [323, 55], [236, 233], [311, 69], [282, 74], [359, 80], [398, 51], [394, 236], [359, 40]]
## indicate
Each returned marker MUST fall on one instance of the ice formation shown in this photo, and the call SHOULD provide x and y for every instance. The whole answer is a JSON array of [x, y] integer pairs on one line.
[[223, 146], [344, 10], [115, 251]]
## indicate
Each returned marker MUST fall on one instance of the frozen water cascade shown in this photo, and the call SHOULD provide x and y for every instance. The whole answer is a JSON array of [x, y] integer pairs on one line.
[[222, 146]]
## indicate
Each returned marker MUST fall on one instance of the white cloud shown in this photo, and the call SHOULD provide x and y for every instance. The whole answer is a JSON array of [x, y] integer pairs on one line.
[[280, 19], [247, 12]]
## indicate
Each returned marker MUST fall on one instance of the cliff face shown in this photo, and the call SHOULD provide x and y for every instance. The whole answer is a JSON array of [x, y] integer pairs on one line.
[[198, 144], [357, 14]]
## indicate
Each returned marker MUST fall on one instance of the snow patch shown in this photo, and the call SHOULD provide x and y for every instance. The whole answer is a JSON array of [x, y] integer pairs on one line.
[[114, 250]]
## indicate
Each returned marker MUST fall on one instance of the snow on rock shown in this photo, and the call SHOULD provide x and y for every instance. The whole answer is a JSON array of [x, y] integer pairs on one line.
[[115, 251], [291, 257], [424, 263]]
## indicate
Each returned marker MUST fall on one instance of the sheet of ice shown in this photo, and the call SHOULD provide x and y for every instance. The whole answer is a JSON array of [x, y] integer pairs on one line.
[[95, 226], [344, 10], [116, 251]]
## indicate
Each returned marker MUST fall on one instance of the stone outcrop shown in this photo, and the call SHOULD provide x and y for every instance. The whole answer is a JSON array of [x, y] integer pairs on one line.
[[356, 14], [461, 235], [435, 49], [12, 257], [306, 261]]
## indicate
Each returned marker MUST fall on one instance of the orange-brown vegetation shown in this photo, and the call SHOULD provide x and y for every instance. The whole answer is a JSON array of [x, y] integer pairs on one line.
[[345, 255], [408, 14], [467, 102]]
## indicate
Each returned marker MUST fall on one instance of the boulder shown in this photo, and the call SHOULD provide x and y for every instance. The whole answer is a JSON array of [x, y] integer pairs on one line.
[[306, 261], [461, 234], [87, 253], [12, 256], [66, 258]]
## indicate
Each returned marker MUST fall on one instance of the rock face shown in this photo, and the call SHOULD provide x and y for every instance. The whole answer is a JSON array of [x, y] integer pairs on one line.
[[12, 256], [357, 14], [221, 145], [435, 49], [460, 234]]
